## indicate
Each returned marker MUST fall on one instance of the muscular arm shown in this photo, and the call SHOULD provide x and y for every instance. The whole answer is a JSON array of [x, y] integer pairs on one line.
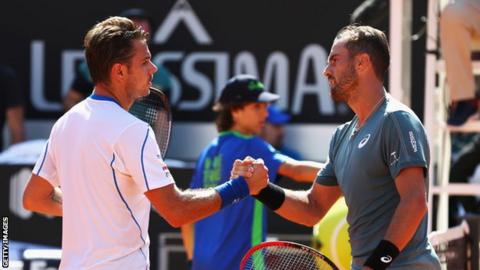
[[411, 209], [300, 171], [40, 196], [181, 207], [14, 117], [308, 207]]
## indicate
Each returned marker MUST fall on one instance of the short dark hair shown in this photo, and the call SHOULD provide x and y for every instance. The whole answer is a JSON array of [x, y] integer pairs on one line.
[[110, 42], [224, 119], [366, 39]]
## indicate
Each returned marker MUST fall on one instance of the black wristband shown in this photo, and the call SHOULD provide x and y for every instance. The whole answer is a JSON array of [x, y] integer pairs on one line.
[[382, 256], [272, 196]]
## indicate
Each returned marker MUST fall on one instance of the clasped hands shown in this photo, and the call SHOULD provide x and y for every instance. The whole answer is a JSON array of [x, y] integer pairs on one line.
[[254, 171]]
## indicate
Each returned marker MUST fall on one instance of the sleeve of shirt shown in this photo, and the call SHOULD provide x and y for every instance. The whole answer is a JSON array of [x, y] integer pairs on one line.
[[405, 142], [45, 166], [327, 176], [138, 155]]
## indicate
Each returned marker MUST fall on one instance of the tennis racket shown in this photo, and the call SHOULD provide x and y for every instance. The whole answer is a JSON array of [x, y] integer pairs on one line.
[[281, 255], [155, 110]]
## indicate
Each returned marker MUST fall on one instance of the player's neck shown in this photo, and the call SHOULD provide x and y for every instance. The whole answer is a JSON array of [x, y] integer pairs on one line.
[[366, 103], [110, 91]]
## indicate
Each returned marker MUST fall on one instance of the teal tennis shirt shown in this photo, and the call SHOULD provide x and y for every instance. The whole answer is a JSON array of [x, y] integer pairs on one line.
[[364, 164]]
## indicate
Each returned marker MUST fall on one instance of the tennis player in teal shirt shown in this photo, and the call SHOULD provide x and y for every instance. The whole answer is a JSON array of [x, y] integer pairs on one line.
[[379, 161]]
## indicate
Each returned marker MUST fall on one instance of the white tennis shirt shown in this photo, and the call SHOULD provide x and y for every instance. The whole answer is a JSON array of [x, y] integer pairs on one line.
[[104, 159]]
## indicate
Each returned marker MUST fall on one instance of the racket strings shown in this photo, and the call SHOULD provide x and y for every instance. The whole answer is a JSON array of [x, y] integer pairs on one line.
[[154, 110], [283, 258]]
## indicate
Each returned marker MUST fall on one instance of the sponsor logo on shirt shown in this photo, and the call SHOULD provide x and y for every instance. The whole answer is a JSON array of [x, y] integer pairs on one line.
[[212, 171], [364, 141], [165, 170], [413, 142], [393, 158]]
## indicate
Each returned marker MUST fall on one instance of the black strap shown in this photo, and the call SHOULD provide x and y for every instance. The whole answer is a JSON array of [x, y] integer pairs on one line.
[[272, 196], [382, 256]]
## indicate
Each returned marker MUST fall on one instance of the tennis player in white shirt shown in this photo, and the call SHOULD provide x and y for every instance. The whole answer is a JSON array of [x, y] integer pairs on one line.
[[102, 168]]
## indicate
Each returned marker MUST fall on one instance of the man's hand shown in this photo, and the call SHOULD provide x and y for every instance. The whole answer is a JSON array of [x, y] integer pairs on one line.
[[254, 171], [259, 178], [242, 168]]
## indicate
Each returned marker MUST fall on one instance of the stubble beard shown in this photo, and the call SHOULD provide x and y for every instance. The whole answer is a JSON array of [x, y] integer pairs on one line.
[[344, 88]]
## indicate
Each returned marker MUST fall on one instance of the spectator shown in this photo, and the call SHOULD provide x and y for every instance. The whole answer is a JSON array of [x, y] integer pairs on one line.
[[11, 106], [459, 27], [241, 112], [82, 84], [274, 131]]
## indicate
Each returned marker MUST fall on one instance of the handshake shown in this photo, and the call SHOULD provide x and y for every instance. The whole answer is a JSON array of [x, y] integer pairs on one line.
[[254, 171], [252, 180]]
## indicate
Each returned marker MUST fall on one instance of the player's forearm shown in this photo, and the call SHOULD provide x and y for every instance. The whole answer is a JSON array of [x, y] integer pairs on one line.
[[307, 171], [301, 171], [197, 204], [299, 208], [182, 207], [406, 219], [201, 203]]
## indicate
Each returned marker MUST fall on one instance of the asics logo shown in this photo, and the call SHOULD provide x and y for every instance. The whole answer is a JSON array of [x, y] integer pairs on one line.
[[364, 141], [386, 259]]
